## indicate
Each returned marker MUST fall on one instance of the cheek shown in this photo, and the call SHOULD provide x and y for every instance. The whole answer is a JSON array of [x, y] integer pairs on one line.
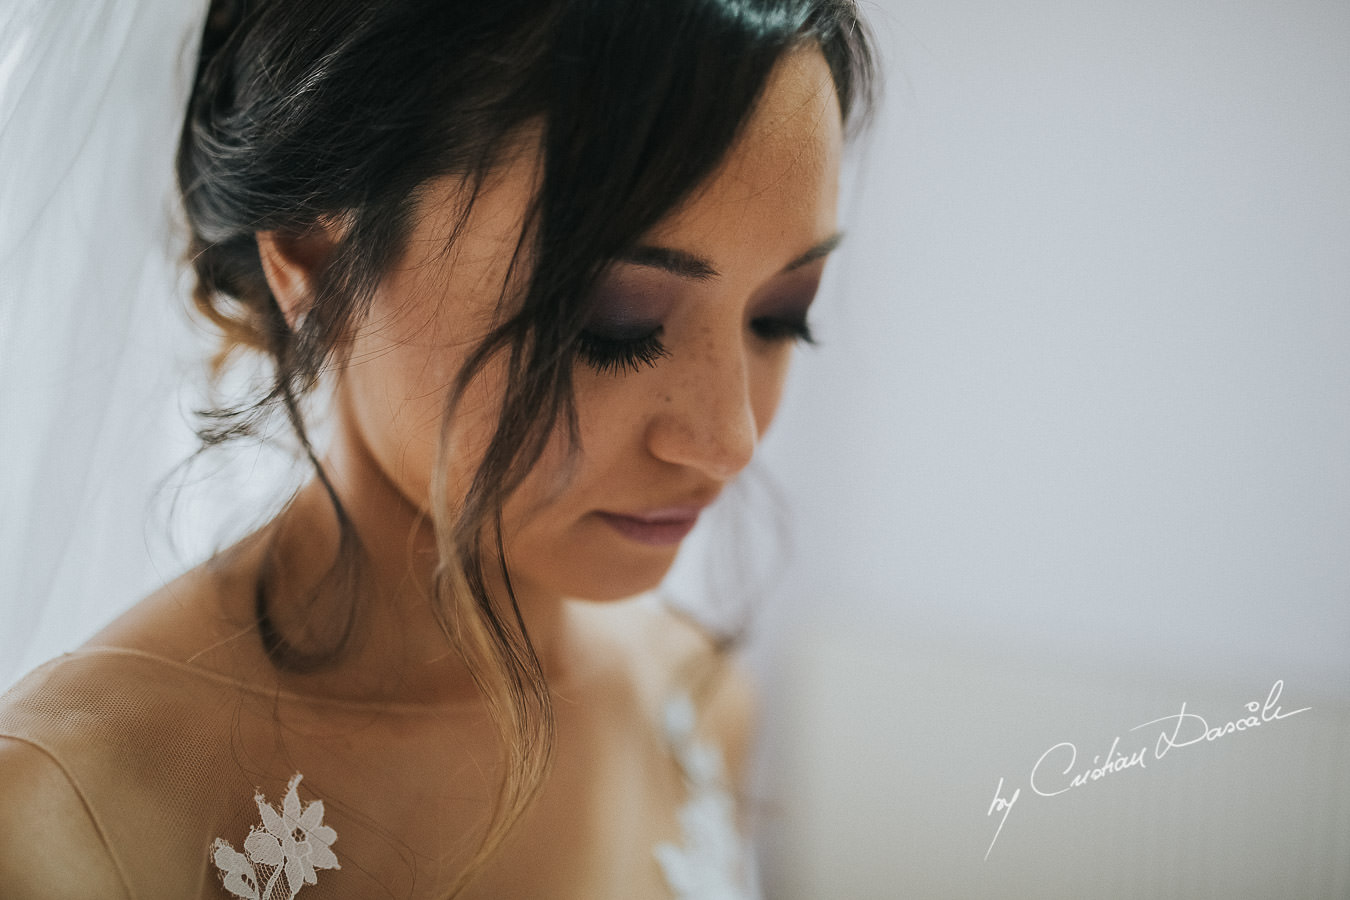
[[611, 412], [394, 392], [567, 481]]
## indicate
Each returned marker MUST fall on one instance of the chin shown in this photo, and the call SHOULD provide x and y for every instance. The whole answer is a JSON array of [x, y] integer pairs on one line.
[[609, 581]]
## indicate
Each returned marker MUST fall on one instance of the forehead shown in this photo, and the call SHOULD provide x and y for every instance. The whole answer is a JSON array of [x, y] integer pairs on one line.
[[796, 128], [781, 176]]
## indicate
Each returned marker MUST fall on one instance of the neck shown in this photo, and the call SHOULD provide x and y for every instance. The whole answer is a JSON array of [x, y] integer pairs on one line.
[[384, 587]]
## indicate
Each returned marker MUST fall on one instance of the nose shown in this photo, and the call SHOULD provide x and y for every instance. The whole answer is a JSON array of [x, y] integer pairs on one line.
[[705, 416]]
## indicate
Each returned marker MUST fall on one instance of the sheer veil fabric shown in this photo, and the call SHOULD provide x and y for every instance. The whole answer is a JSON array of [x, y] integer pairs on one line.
[[94, 344]]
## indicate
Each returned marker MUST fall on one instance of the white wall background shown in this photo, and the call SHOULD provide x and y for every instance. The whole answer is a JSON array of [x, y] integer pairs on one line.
[[1085, 382], [1083, 399]]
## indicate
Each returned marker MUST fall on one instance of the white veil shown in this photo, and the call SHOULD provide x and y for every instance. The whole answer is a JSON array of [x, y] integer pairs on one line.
[[95, 346]]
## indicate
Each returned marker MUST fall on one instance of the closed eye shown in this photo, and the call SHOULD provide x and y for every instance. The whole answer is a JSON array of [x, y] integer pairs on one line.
[[615, 355], [772, 329]]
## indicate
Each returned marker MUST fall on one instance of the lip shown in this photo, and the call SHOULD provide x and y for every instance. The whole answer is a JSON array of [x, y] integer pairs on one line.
[[654, 527]]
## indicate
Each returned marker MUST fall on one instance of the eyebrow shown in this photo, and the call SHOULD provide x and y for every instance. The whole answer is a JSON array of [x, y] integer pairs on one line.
[[689, 265]]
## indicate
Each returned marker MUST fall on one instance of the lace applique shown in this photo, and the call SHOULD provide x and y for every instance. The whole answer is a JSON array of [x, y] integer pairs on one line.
[[708, 865], [282, 856]]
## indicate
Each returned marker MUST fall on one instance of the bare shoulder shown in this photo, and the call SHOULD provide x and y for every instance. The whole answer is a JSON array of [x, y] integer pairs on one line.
[[50, 847], [202, 616]]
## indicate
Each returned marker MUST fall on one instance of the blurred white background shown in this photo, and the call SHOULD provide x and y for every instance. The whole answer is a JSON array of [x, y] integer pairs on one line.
[[1075, 448], [1085, 377], [1082, 408]]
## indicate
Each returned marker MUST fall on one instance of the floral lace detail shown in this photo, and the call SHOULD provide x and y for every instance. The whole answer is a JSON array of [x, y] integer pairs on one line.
[[282, 856], [708, 865], [293, 843]]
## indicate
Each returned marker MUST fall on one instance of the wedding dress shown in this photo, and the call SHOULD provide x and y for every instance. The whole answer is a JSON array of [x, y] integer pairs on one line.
[[178, 782]]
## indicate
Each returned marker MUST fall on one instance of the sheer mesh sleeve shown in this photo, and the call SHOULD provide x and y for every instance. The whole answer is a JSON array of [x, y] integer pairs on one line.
[[51, 848], [128, 761]]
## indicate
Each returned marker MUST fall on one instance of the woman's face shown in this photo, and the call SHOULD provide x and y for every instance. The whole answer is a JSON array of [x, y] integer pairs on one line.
[[680, 369]]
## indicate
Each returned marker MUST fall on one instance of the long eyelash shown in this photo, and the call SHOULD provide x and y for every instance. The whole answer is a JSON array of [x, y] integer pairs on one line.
[[616, 356], [783, 330]]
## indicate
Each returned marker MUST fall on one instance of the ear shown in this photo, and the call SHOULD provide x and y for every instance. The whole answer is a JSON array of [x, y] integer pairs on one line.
[[291, 264]]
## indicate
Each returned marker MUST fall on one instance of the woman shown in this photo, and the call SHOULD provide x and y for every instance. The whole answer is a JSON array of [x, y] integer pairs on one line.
[[545, 262]]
